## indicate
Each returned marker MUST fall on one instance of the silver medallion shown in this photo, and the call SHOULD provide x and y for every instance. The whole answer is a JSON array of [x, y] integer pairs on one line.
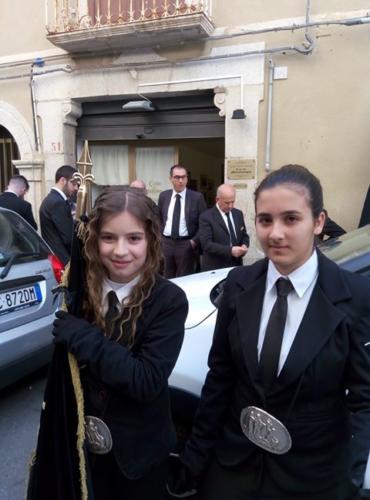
[[265, 431], [98, 436]]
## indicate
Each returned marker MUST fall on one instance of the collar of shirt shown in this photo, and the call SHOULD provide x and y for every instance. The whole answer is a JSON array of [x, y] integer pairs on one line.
[[182, 194], [224, 217], [122, 290], [60, 192], [11, 191], [223, 214], [301, 278]]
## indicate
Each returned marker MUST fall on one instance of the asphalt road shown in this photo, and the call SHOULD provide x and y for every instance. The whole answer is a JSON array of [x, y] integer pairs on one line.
[[20, 407]]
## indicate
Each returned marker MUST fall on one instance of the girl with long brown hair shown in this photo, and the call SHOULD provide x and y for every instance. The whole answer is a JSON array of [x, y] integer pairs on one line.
[[126, 345]]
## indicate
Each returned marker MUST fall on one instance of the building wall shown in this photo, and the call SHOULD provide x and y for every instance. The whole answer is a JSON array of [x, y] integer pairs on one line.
[[320, 111]]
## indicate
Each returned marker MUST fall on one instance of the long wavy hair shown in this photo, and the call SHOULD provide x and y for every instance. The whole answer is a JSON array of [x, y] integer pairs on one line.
[[112, 201]]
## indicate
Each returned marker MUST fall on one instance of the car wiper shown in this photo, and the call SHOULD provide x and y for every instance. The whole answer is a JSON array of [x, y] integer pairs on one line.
[[13, 258]]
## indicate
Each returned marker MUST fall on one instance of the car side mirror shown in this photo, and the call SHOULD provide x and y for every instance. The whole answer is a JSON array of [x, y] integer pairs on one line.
[[216, 293]]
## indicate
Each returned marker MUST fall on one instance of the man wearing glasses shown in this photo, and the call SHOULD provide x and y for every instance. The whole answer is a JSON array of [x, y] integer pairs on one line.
[[179, 210]]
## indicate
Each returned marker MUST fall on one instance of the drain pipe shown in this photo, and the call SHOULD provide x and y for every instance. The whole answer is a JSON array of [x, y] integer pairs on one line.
[[308, 12], [39, 62], [269, 116]]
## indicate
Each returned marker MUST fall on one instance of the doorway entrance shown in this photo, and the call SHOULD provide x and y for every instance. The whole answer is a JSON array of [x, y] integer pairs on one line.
[[8, 152], [150, 160], [181, 128]]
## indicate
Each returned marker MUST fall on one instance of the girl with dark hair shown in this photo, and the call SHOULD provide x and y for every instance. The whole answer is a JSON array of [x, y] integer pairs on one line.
[[285, 408], [126, 345]]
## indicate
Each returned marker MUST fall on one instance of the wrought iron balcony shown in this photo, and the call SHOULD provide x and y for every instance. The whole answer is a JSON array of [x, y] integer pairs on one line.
[[101, 25]]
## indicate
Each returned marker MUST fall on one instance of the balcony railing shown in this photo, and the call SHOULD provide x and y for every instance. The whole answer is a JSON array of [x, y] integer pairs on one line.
[[66, 16]]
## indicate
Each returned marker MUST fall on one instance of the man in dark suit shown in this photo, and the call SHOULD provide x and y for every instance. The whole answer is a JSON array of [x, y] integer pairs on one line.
[[365, 213], [223, 237], [331, 229], [12, 199], [55, 213], [179, 210]]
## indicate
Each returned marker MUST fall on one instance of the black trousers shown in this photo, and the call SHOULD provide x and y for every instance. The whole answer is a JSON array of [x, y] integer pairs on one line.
[[110, 484], [179, 257], [239, 483]]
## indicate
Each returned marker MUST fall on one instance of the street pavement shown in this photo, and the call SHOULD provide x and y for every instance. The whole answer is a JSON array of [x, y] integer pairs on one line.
[[20, 407]]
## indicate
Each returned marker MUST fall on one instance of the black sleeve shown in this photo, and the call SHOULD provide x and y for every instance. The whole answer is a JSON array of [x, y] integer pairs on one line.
[[365, 213], [63, 223], [331, 229], [244, 234], [141, 376], [202, 207], [28, 215], [358, 390]]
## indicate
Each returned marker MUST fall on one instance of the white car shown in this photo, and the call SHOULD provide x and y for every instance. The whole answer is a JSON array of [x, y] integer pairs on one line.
[[351, 251]]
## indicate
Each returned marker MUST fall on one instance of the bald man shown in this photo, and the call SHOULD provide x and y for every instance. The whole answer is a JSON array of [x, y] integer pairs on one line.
[[222, 233], [139, 184]]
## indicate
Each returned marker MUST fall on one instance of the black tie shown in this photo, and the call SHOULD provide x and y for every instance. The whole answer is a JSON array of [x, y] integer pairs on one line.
[[176, 218], [112, 312], [231, 231], [270, 353]]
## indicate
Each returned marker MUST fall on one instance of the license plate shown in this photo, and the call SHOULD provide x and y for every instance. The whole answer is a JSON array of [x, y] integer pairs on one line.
[[20, 298]]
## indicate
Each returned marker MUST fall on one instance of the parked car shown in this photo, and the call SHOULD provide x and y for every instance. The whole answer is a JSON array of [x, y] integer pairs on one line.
[[28, 273], [350, 251]]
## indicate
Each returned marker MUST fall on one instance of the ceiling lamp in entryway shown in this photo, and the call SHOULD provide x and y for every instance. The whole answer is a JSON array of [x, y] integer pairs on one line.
[[144, 105]]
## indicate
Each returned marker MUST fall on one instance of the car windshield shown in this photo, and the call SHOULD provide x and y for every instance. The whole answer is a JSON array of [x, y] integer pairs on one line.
[[18, 238], [348, 246]]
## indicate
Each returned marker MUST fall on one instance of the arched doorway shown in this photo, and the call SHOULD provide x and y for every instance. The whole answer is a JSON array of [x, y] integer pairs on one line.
[[8, 152]]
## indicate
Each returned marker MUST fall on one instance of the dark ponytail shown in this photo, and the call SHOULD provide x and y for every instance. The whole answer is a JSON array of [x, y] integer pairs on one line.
[[295, 175]]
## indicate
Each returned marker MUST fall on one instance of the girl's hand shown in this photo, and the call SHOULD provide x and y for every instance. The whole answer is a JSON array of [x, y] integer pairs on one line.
[[66, 326]]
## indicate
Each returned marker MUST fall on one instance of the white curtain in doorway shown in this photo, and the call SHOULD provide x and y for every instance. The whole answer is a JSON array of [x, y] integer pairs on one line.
[[153, 166], [110, 163]]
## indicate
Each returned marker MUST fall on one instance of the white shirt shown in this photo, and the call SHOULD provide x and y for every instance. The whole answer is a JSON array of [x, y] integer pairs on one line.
[[223, 215], [183, 231], [303, 280], [60, 192], [122, 291]]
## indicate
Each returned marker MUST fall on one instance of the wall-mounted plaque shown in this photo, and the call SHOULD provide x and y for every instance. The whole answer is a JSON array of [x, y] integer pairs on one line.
[[241, 168]]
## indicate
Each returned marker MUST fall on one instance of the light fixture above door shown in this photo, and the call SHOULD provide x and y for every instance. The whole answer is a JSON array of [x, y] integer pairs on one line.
[[136, 106]]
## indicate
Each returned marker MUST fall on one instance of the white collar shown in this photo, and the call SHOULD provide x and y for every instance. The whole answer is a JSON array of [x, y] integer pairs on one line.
[[122, 290], [222, 212], [301, 278], [182, 193], [60, 192]]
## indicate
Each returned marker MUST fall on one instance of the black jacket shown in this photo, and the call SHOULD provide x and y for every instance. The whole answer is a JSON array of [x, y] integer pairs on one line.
[[57, 224], [330, 355], [22, 207], [128, 388], [215, 239]]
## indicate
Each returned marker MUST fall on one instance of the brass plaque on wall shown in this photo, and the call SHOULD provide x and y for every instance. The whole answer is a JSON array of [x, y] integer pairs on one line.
[[241, 168]]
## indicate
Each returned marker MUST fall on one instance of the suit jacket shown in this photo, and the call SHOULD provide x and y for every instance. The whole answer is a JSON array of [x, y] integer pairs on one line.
[[215, 239], [22, 207], [194, 206], [365, 213], [128, 388], [331, 229], [57, 225], [330, 428]]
